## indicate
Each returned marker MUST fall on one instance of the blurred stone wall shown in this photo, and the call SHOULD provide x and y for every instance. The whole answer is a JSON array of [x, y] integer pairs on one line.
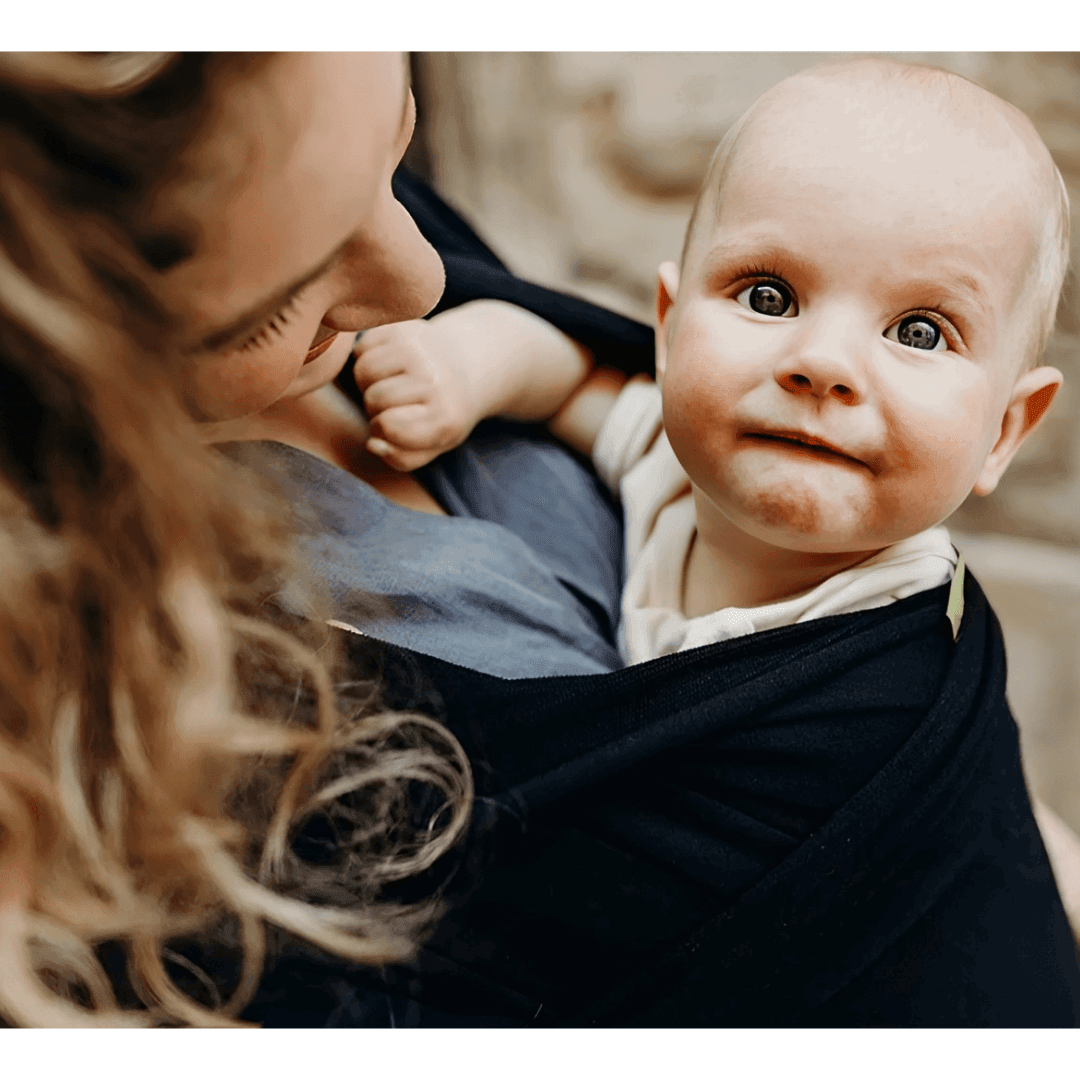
[[580, 169]]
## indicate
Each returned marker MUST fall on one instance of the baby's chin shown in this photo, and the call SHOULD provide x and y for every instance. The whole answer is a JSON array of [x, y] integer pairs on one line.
[[802, 517]]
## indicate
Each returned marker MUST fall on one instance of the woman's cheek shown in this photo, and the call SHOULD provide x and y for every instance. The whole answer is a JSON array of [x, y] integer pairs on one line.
[[231, 387]]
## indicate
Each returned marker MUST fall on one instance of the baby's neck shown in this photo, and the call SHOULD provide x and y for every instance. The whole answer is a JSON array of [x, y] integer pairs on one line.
[[730, 568]]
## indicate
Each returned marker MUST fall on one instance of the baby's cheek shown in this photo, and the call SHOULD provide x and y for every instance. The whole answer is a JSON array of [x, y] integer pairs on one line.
[[697, 435], [927, 478], [695, 402], [940, 454]]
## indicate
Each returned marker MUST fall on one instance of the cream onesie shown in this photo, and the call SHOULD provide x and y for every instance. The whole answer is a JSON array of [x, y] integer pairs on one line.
[[633, 456]]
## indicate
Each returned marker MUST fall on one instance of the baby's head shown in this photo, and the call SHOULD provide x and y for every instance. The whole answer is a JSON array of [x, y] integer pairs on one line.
[[870, 276]]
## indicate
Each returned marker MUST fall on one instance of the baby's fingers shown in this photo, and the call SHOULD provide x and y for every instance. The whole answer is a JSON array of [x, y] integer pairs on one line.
[[378, 365], [394, 393], [413, 427], [397, 458], [402, 443], [389, 333]]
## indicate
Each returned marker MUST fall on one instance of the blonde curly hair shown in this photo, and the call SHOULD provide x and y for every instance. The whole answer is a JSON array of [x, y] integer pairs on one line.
[[165, 728]]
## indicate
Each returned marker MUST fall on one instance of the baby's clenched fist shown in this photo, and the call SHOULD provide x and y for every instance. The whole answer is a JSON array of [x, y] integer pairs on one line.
[[417, 392]]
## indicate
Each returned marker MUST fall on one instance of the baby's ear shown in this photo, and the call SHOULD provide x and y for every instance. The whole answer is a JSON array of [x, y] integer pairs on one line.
[[1030, 399], [667, 288]]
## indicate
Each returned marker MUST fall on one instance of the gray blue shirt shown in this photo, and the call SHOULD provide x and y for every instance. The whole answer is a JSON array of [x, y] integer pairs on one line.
[[520, 580]]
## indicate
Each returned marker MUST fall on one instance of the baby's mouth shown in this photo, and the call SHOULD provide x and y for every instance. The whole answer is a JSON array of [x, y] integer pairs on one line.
[[810, 445]]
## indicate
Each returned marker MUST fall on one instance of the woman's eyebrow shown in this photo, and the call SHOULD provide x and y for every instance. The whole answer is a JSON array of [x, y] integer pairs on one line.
[[222, 336]]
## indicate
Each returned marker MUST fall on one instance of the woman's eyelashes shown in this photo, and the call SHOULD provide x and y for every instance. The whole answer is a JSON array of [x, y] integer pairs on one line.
[[918, 330], [770, 297], [274, 327]]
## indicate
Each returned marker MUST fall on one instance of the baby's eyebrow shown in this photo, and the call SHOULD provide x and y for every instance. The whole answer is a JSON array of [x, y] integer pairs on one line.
[[957, 288], [764, 249], [952, 286]]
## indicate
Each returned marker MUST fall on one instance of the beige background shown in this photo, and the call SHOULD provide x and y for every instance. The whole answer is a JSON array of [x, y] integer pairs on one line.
[[580, 170]]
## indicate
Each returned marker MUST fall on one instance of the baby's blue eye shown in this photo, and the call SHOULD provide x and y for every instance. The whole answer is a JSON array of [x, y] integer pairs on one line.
[[918, 332], [769, 298]]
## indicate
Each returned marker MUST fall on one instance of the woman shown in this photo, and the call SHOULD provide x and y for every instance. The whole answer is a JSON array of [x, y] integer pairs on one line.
[[681, 843], [164, 733], [92, 137]]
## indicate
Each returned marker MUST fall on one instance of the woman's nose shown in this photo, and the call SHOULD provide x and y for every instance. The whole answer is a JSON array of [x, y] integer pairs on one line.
[[392, 274]]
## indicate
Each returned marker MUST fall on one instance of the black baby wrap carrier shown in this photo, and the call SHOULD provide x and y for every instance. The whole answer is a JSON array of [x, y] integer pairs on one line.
[[821, 824]]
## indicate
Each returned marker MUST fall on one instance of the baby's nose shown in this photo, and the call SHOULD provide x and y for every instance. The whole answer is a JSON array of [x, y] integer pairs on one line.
[[817, 384]]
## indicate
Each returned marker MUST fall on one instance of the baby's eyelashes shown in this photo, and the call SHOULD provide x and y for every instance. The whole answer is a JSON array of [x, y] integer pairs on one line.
[[769, 298], [918, 331]]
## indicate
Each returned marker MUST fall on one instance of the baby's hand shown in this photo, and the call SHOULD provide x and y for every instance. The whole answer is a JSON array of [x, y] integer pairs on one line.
[[417, 393]]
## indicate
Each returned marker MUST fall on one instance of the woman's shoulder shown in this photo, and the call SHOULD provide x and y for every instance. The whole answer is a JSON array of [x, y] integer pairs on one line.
[[519, 579]]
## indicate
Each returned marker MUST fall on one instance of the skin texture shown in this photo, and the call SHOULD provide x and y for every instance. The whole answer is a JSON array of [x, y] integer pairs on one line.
[[893, 206]]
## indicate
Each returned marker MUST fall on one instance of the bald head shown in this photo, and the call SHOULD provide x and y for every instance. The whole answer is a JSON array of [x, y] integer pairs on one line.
[[948, 150]]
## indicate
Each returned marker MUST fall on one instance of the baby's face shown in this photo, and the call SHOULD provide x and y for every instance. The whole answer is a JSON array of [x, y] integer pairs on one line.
[[846, 338]]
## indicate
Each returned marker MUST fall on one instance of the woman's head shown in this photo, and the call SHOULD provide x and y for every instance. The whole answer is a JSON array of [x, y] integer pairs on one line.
[[296, 234], [256, 192]]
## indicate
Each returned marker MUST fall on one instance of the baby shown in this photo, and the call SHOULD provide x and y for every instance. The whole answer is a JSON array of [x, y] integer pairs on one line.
[[847, 350]]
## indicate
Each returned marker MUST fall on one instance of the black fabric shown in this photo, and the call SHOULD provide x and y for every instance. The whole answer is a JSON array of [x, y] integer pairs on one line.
[[824, 824]]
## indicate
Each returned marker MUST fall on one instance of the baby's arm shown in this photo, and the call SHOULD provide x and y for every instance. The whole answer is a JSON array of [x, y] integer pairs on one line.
[[582, 415], [426, 384]]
